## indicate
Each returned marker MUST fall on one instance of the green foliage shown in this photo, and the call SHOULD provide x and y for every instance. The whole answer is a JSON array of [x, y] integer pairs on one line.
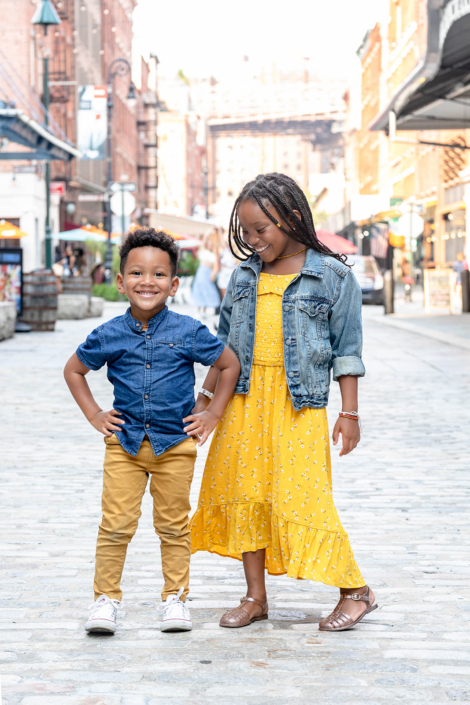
[[319, 216], [109, 292], [188, 264], [182, 77], [100, 248]]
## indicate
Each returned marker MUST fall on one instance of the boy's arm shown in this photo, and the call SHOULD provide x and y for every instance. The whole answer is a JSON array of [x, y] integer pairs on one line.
[[227, 369], [103, 421]]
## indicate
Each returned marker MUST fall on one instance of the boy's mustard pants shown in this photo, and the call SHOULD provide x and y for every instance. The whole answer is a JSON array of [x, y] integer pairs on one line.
[[124, 481]]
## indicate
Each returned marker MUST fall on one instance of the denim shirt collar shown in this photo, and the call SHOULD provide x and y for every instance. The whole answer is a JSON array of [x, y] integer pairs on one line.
[[153, 322], [314, 263]]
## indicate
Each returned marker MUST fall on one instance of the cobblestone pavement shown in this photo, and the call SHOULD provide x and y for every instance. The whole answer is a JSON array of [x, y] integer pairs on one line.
[[403, 496]]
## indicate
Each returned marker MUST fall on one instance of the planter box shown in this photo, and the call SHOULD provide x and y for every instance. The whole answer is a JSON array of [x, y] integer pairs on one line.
[[96, 307], [7, 319], [72, 306]]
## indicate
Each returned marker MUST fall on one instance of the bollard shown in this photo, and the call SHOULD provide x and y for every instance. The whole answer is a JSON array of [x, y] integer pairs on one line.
[[465, 279], [389, 292]]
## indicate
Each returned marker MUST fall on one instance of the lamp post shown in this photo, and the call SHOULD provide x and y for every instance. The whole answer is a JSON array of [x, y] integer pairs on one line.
[[118, 67], [44, 16]]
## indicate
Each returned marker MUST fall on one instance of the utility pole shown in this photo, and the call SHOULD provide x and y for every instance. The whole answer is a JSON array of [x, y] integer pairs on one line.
[[48, 242]]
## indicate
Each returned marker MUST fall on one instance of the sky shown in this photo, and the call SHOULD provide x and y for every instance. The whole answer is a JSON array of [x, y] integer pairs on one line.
[[211, 37]]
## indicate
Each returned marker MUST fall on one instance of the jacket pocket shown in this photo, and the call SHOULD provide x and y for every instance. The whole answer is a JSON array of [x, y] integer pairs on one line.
[[313, 318], [241, 300]]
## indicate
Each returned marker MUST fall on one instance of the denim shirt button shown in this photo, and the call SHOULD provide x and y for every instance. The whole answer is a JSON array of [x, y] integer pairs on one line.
[[287, 341], [148, 367], [291, 374], [137, 325], [148, 337], [147, 425], [146, 396], [286, 308]]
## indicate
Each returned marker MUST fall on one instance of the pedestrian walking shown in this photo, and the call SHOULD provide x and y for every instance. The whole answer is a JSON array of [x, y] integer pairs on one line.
[[292, 312], [459, 265], [204, 292], [150, 354]]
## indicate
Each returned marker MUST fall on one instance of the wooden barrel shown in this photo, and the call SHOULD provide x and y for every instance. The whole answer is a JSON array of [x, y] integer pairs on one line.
[[40, 300], [82, 286]]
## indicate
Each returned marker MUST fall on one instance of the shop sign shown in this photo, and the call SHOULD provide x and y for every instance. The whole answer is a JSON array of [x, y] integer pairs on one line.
[[92, 121], [28, 169], [92, 197], [57, 188], [439, 290]]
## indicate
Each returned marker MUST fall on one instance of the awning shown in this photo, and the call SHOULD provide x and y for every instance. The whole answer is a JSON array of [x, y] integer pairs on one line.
[[336, 243], [436, 95], [17, 127], [178, 224]]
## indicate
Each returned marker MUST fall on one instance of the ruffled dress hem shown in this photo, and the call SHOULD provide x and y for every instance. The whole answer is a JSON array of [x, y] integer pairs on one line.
[[297, 550]]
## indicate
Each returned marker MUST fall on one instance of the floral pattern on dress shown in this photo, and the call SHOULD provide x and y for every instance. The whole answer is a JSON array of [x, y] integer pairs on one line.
[[267, 480]]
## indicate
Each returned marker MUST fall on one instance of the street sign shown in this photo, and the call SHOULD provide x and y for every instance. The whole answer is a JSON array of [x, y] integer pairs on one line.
[[57, 188], [92, 197], [117, 186], [409, 225], [122, 203]]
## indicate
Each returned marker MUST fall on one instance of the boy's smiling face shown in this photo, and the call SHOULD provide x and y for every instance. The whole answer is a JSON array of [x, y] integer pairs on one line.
[[147, 281]]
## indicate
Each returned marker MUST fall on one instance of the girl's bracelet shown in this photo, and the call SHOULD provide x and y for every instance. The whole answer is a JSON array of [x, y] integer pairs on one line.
[[350, 415]]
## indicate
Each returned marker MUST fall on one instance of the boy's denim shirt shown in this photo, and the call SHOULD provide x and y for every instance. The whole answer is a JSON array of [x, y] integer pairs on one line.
[[152, 372], [321, 326]]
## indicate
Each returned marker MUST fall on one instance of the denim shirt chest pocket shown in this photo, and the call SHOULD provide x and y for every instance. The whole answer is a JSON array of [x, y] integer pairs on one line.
[[313, 318]]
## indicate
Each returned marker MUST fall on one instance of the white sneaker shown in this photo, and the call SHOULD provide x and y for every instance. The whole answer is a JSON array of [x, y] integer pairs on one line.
[[103, 615], [176, 617]]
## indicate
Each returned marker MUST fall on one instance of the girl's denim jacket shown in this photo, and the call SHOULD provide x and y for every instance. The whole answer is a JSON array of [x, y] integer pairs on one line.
[[321, 326]]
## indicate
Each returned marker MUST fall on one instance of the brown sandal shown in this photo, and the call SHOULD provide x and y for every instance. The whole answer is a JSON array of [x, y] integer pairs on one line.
[[239, 617], [339, 621]]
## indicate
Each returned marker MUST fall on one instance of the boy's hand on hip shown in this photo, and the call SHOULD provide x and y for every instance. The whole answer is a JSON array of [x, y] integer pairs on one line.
[[350, 431], [105, 422], [201, 425]]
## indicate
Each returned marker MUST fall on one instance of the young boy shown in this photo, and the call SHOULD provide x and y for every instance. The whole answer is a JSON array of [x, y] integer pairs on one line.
[[150, 353]]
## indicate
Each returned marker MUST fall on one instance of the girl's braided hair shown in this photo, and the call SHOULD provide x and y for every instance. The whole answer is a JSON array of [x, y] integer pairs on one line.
[[286, 196]]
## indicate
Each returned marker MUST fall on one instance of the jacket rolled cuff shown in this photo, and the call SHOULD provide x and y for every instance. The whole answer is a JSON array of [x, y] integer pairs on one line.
[[350, 365]]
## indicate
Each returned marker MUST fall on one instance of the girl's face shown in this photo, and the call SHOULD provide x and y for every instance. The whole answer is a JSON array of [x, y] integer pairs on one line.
[[262, 235]]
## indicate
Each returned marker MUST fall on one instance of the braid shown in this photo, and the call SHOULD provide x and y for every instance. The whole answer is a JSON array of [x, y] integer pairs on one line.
[[286, 196]]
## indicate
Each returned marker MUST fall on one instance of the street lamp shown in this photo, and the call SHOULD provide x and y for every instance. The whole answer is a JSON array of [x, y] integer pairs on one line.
[[119, 67], [45, 16]]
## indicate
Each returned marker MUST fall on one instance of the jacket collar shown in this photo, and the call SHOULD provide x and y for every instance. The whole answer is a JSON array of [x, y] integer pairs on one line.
[[152, 324], [314, 263]]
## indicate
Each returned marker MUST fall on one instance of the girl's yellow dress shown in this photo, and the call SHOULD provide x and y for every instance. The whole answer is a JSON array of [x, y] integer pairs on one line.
[[267, 479]]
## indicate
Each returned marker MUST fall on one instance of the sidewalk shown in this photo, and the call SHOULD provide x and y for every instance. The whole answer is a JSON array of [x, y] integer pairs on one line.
[[410, 317], [403, 497]]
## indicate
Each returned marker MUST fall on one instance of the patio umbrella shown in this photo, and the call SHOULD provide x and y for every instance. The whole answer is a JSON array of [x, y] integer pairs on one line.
[[87, 232], [10, 231], [336, 243]]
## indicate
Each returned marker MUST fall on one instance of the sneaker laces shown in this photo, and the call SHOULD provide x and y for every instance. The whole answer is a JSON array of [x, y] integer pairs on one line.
[[109, 607], [174, 602]]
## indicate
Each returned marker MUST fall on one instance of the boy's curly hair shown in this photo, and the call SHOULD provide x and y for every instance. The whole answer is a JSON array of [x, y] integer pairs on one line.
[[149, 237]]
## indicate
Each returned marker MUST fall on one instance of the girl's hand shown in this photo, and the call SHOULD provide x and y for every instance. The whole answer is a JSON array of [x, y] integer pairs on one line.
[[105, 422], [201, 425], [350, 432], [202, 402]]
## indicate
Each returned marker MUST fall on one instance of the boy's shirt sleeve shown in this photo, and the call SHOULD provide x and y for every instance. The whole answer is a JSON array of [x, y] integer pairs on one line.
[[206, 347], [91, 352]]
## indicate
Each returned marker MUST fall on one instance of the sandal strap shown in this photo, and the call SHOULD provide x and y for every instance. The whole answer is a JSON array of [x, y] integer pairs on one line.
[[252, 599], [356, 596]]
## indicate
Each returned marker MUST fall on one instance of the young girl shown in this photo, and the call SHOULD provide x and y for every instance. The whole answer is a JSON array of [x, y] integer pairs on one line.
[[292, 312]]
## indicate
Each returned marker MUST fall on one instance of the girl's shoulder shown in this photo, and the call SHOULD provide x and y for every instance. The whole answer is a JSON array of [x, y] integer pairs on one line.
[[335, 265]]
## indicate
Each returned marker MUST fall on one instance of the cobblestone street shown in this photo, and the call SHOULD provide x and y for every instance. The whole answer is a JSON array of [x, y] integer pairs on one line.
[[403, 496]]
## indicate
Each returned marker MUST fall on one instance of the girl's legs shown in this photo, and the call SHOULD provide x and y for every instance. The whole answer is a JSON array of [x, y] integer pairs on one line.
[[253, 565]]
